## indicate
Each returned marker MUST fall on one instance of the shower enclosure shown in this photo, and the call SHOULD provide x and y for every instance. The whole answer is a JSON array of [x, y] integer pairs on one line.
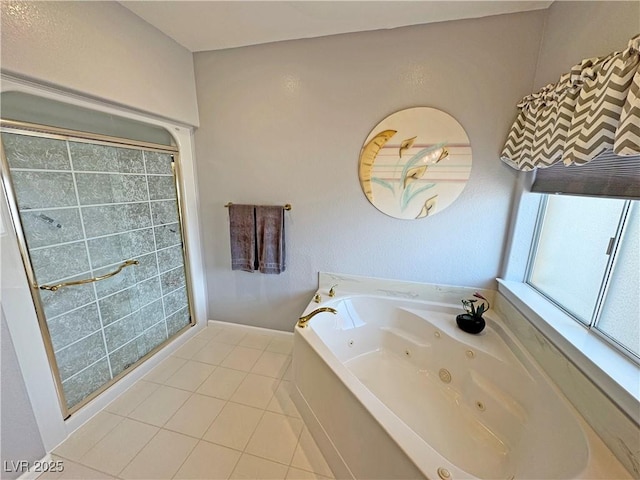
[[98, 222]]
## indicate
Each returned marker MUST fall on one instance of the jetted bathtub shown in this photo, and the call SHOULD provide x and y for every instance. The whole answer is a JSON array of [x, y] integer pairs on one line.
[[391, 388]]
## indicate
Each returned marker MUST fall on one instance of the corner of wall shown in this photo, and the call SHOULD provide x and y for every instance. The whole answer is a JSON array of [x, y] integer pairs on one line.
[[545, 23], [574, 30]]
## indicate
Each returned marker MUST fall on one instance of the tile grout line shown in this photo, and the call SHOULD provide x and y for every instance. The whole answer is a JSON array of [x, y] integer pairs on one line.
[[92, 205], [226, 401], [160, 429], [86, 367], [280, 380], [113, 351], [91, 172], [163, 427], [138, 453], [54, 317], [107, 235], [264, 410], [191, 394], [112, 323], [244, 449], [188, 455], [136, 337], [96, 442], [137, 404], [79, 462], [112, 264], [121, 291], [156, 426], [155, 243], [86, 244], [181, 308], [230, 368], [111, 294], [224, 446]]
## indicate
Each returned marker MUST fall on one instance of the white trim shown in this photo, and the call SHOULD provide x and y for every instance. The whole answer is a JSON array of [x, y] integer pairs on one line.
[[16, 297], [250, 328], [615, 374], [522, 224]]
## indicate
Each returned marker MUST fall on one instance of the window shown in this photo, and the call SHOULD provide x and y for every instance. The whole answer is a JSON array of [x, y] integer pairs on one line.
[[585, 259]]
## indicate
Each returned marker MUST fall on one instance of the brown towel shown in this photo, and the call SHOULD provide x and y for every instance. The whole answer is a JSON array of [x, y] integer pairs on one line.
[[242, 235], [270, 239]]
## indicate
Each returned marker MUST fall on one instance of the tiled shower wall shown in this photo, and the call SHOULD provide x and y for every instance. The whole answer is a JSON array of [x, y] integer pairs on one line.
[[85, 209]]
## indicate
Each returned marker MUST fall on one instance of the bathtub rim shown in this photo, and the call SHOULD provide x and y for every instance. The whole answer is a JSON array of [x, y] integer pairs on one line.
[[599, 456], [396, 428]]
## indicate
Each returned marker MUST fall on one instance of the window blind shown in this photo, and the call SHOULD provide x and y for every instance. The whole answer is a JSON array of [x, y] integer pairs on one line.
[[607, 175]]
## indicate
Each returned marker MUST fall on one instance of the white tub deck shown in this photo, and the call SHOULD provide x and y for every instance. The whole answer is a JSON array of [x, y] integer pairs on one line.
[[497, 416]]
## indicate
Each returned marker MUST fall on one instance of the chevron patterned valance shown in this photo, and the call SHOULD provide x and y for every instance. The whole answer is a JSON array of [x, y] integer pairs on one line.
[[592, 109]]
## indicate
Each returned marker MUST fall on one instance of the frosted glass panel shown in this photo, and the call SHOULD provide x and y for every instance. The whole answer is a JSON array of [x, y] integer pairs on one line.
[[571, 257], [620, 317], [85, 209]]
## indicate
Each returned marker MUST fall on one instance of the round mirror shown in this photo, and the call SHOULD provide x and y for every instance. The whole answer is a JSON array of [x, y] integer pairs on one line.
[[415, 163]]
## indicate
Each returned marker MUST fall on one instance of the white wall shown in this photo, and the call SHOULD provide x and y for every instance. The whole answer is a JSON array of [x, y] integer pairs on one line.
[[284, 123], [19, 434], [577, 30], [110, 57], [99, 49]]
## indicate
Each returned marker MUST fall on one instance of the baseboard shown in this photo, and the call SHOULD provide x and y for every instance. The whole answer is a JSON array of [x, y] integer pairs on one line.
[[249, 327], [98, 404], [37, 468]]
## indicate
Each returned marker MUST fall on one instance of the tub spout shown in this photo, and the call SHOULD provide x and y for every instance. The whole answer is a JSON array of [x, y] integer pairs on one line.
[[302, 321]]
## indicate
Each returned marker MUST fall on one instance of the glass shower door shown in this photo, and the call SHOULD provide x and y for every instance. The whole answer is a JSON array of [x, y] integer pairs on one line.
[[102, 230]]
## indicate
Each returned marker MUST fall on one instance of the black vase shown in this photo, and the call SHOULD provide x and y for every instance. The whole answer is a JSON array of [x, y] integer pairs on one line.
[[470, 323]]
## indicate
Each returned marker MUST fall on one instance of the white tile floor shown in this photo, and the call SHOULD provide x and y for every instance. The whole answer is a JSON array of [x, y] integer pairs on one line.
[[218, 408]]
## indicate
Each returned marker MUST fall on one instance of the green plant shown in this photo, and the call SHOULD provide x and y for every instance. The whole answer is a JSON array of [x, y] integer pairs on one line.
[[471, 308]]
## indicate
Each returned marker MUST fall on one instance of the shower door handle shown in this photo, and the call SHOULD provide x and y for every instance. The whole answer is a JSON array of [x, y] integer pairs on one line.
[[54, 288]]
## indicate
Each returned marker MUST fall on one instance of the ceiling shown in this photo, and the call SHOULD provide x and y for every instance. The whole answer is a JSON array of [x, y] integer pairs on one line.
[[214, 25]]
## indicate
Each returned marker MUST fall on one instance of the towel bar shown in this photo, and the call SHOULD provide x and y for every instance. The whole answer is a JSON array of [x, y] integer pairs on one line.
[[286, 207], [55, 288]]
